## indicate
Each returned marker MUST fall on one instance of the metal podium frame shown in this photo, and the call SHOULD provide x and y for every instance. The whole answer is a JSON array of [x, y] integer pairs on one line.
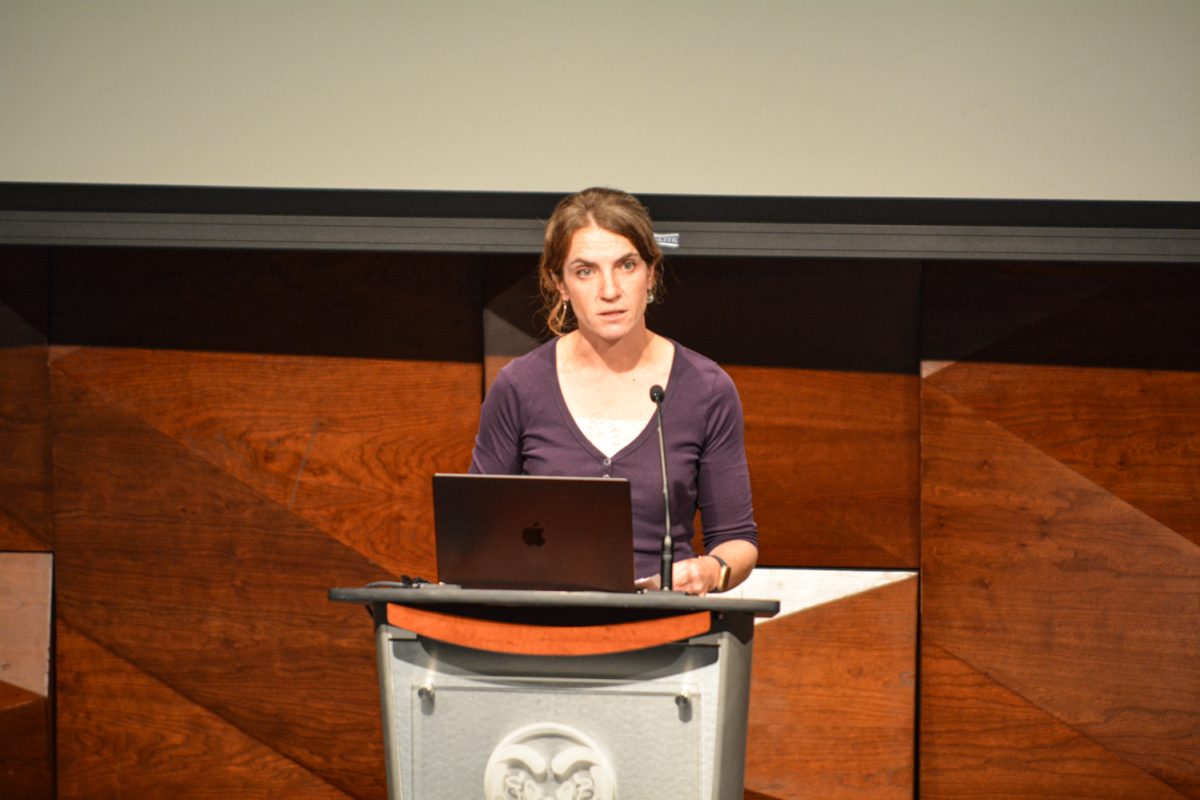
[[444, 644]]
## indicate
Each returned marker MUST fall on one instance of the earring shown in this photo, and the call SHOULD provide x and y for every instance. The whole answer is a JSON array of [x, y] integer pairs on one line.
[[650, 296]]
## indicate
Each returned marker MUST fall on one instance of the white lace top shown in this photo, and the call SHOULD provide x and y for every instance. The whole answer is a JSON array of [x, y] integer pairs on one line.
[[610, 435]]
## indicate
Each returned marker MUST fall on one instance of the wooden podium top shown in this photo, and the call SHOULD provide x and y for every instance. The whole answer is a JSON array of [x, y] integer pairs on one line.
[[432, 594]]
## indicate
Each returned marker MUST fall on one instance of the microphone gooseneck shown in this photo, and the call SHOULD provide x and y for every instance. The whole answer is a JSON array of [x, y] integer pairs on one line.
[[668, 547]]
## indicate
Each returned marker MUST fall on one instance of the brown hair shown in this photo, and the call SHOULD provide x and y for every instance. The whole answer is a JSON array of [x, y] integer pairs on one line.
[[610, 209]]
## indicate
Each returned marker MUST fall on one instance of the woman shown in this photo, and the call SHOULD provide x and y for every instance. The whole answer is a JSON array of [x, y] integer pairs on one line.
[[580, 404]]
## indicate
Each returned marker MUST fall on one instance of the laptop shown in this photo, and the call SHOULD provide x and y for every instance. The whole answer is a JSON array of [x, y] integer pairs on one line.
[[533, 532]]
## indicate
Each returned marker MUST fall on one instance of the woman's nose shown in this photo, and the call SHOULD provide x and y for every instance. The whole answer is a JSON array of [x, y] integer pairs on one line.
[[609, 286]]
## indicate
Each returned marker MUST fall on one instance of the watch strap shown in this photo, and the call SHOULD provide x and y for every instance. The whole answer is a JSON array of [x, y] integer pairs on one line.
[[725, 575]]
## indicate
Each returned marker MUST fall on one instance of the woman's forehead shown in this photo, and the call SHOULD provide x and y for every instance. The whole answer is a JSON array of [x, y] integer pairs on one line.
[[595, 243]]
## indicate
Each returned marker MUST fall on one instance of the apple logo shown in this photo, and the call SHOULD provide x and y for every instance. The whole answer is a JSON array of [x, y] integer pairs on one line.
[[532, 535]]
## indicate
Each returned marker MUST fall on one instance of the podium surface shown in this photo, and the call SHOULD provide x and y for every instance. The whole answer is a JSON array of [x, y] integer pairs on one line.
[[525, 694]]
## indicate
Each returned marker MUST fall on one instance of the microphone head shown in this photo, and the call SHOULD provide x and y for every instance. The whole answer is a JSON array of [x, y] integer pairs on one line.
[[656, 393]]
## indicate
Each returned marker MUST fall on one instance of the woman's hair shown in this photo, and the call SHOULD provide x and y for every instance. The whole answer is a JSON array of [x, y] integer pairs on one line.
[[610, 209]]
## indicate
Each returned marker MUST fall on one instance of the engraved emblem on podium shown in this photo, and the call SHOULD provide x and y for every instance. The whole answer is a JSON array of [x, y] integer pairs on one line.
[[549, 761]]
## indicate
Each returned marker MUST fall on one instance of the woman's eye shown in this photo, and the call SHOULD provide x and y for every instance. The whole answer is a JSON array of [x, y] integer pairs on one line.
[[630, 265], [583, 272]]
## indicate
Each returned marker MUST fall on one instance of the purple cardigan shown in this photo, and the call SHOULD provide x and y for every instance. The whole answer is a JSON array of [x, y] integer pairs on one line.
[[526, 429]]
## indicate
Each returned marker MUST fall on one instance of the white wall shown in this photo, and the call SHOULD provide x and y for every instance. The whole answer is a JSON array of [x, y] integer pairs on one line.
[[944, 98]]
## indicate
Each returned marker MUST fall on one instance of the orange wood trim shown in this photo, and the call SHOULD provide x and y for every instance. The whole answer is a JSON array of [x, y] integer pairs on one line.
[[547, 640]]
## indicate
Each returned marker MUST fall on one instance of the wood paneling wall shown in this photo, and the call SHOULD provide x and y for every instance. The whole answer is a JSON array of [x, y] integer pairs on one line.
[[235, 432], [833, 699], [1060, 556], [824, 355], [26, 534]]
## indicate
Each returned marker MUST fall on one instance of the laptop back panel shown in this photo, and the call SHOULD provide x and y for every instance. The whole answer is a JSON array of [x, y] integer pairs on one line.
[[533, 532]]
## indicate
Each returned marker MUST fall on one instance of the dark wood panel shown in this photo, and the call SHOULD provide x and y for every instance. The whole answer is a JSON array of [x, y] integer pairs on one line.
[[856, 316], [834, 465], [204, 584], [24, 401], [981, 740], [24, 286], [122, 733], [385, 306], [26, 754], [968, 306], [1134, 432], [833, 699], [25, 444], [1140, 317], [1061, 592], [825, 358], [348, 445]]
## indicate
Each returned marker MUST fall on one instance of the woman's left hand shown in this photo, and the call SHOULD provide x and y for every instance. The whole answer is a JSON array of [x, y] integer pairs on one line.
[[697, 576]]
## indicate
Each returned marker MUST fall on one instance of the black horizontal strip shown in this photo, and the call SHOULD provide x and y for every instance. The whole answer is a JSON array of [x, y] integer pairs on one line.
[[154, 199]]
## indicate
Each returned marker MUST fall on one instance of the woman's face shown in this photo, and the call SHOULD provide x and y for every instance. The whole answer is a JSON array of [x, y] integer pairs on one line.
[[606, 282]]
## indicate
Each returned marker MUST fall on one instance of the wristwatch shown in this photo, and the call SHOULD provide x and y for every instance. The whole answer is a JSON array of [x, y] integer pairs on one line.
[[726, 573]]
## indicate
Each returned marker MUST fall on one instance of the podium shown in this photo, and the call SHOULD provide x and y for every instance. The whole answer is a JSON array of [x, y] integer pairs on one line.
[[502, 694]]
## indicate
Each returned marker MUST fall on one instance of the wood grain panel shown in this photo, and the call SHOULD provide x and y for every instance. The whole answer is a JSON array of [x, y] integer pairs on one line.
[[24, 400], [980, 739], [347, 445], [235, 434], [26, 750], [195, 579], [126, 734], [1134, 432], [824, 354], [1061, 592], [833, 696], [833, 464]]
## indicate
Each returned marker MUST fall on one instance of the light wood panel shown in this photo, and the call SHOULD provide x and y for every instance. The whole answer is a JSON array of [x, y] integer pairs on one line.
[[833, 699], [25, 597]]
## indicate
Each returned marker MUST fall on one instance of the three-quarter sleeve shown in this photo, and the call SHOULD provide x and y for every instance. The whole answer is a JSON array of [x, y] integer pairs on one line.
[[498, 442], [723, 478]]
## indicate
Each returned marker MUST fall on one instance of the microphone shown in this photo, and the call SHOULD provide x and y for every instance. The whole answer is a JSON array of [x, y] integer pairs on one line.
[[668, 547]]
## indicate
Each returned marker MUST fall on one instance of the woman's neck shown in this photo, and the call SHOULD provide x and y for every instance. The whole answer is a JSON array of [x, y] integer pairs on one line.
[[623, 355]]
